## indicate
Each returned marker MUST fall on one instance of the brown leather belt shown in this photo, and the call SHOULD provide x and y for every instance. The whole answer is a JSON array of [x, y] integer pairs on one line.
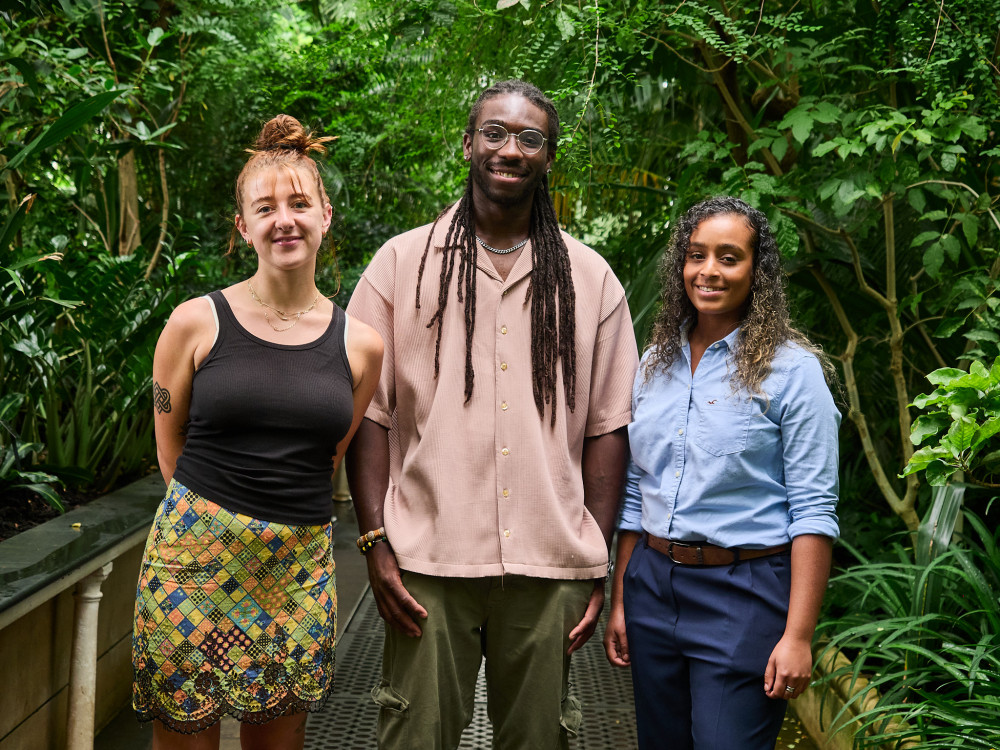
[[702, 553]]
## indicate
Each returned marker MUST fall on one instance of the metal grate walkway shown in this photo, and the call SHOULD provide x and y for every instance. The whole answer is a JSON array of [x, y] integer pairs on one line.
[[348, 720]]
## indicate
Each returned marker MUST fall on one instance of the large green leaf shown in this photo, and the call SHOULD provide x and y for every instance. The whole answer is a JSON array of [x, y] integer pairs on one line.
[[927, 425], [74, 118], [945, 375], [9, 311], [14, 222], [26, 71]]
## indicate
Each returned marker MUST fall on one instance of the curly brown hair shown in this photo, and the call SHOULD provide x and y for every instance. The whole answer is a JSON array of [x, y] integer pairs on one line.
[[766, 324]]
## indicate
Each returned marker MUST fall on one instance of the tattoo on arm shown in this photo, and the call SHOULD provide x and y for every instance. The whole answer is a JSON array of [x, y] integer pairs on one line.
[[161, 399]]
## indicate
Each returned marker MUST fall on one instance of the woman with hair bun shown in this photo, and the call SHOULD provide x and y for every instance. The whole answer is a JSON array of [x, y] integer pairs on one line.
[[725, 539], [258, 388]]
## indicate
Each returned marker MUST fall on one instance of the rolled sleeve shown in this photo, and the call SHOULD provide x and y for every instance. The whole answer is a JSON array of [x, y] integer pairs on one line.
[[631, 513], [810, 422], [371, 303]]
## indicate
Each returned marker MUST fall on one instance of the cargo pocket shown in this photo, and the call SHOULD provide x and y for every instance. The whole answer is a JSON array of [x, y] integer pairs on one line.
[[393, 727], [571, 715], [387, 698]]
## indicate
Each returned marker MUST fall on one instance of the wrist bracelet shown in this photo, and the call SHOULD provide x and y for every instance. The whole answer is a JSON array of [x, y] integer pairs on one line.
[[367, 541]]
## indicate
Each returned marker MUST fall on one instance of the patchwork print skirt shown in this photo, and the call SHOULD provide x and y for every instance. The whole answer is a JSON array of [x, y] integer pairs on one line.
[[233, 615]]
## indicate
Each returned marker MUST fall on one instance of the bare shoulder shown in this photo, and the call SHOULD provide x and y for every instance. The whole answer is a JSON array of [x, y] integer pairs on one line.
[[363, 339], [188, 335], [364, 353], [192, 317]]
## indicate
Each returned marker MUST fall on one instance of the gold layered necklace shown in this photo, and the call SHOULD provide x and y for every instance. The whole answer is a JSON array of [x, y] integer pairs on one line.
[[268, 309]]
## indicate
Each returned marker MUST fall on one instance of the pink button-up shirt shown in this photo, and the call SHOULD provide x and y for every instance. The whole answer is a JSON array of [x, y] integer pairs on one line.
[[490, 487]]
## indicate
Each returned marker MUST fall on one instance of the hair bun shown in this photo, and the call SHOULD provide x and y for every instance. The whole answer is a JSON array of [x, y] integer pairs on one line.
[[285, 132]]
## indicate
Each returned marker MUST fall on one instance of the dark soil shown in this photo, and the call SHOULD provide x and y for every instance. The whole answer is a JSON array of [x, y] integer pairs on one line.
[[20, 510]]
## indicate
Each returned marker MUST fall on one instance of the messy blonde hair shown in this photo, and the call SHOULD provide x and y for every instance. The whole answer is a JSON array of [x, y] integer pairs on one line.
[[282, 142]]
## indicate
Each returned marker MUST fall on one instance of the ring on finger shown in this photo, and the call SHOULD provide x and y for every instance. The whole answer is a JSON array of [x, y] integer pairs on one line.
[[789, 689]]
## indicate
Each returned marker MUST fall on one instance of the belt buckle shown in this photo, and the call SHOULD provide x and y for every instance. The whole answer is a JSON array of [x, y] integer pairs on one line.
[[697, 548]]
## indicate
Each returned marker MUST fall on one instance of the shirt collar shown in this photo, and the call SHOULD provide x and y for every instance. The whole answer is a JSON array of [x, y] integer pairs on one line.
[[729, 340], [523, 266]]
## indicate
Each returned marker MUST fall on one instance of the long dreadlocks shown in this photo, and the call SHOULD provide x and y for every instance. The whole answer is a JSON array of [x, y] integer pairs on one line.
[[550, 291]]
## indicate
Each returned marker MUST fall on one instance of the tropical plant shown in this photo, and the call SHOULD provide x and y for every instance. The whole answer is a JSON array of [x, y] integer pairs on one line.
[[962, 421], [16, 456], [925, 630]]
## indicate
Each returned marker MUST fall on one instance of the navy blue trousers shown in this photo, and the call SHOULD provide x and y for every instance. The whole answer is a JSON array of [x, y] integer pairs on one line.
[[699, 639]]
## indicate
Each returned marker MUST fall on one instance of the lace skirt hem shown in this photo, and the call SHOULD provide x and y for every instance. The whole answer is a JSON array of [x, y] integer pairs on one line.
[[292, 705]]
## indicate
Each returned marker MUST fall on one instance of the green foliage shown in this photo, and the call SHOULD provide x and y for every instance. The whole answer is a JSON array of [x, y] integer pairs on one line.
[[960, 425], [933, 654], [15, 456]]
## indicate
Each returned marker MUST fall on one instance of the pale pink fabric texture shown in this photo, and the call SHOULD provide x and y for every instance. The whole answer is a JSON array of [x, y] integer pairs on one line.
[[489, 487]]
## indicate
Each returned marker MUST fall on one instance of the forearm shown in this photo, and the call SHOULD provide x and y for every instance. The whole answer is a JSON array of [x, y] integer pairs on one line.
[[811, 558], [626, 544], [167, 461], [367, 463], [604, 461], [170, 429]]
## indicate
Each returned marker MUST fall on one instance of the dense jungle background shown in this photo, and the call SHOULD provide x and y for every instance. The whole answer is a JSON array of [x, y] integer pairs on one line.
[[867, 131]]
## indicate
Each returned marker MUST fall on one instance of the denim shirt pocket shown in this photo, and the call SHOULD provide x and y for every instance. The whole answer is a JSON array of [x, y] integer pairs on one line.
[[723, 425]]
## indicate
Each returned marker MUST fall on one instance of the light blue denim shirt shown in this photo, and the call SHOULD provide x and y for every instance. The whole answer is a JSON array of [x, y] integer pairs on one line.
[[730, 469]]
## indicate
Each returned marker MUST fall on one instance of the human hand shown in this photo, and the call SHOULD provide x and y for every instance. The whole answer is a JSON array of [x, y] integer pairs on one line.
[[586, 627], [615, 640], [790, 666], [395, 605]]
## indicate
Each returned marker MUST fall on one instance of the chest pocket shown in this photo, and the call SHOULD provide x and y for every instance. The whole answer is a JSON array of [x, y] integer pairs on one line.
[[723, 424]]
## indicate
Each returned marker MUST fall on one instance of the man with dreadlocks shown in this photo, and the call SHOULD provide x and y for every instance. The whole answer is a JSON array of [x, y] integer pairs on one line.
[[487, 473]]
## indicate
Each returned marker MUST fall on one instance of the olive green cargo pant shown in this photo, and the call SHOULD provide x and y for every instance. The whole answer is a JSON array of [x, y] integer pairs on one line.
[[521, 625]]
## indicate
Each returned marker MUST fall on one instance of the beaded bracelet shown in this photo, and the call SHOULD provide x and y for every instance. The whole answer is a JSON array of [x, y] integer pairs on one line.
[[367, 541]]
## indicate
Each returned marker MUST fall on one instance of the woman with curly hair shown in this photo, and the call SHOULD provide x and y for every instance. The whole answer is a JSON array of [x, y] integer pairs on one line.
[[258, 389], [725, 539]]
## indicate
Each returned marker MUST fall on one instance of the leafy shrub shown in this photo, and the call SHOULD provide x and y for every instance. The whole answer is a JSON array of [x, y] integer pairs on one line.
[[962, 421], [926, 630]]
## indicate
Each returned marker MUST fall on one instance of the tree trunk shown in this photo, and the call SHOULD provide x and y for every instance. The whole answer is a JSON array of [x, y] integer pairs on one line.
[[128, 204]]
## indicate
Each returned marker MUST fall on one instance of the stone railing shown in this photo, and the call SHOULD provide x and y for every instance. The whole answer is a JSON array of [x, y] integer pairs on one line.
[[68, 664]]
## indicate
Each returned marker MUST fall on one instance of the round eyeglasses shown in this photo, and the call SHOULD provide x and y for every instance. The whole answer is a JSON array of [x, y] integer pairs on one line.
[[529, 141]]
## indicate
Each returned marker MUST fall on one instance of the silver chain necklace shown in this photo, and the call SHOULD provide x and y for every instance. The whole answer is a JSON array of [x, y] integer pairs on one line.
[[492, 249]]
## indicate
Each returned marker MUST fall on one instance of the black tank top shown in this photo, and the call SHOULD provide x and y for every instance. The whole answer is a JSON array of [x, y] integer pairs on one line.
[[265, 420]]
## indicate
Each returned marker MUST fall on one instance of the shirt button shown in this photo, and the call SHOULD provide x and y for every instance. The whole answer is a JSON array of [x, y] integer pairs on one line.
[[677, 473], [503, 330], [506, 532], [504, 451], [503, 365], [680, 431], [503, 405], [506, 492]]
